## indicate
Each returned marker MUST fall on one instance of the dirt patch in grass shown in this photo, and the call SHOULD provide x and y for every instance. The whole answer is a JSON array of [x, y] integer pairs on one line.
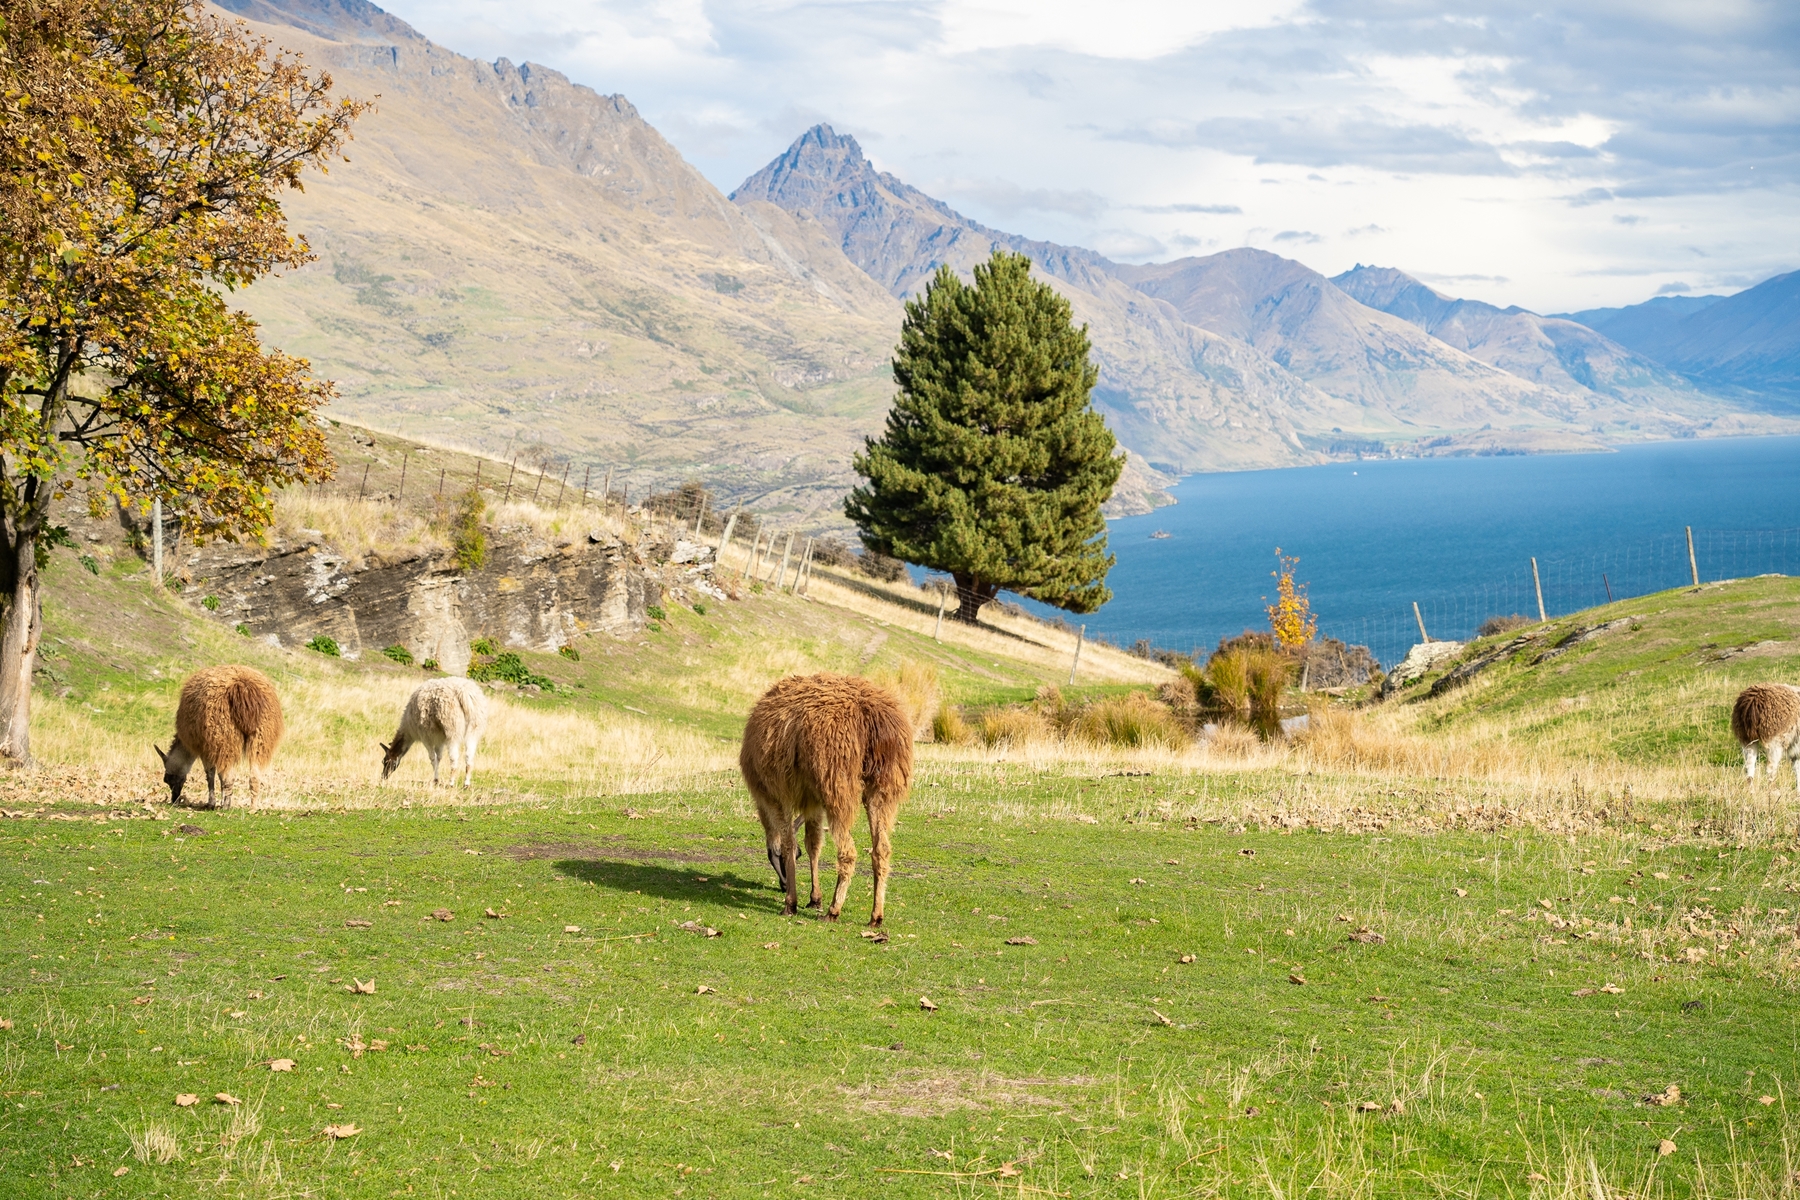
[[934, 1094]]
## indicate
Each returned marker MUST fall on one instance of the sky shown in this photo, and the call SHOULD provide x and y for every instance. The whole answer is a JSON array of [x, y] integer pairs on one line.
[[1556, 156]]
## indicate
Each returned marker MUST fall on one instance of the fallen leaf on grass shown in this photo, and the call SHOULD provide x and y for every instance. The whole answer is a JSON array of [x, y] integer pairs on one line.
[[1247, 852], [358, 987], [877, 936], [1186, 958], [1669, 1096], [282, 1064], [1297, 978], [225, 1098], [571, 929], [186, 1100], [346, 1130], [771, 945], [698, 927], [390, 904], [5, 1023], [1367, 937], [579, 1039], [1162, 1019], [255, 995], [121, 1172], [1460, 891], [1368, 1106], [703, 990], [491, 915], [442, 914], [1022, 940], [142, 999], [1765, 1101], [1609, 989], [358, 924], [1665, 1148], [334, 1106], [186, 830], [926, 1004], [632, 814], [1140, 881], [378, 1045], [237, 1014]]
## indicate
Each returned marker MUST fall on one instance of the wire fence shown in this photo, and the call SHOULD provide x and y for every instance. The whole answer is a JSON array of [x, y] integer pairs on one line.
[[1572, 583]]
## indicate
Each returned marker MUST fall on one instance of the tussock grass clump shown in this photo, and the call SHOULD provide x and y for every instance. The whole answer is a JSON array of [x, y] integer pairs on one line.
[[1133, 720], [153, 1143], [915, 684], [949, 729], [1014, 727], [354, 528]]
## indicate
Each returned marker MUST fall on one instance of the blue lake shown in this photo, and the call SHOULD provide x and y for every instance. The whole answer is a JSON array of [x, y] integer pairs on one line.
[[1454, 535]]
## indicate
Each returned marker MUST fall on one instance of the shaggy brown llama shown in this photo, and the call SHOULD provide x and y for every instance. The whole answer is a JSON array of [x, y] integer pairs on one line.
[[813, 745], [1768, 714], [226, 714]]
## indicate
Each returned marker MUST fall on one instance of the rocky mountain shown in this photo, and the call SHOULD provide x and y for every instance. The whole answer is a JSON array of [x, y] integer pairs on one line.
[[511, 263], [1181, 396], [1556, 352], [1643, 328], [1246, 358], [1750, 340]]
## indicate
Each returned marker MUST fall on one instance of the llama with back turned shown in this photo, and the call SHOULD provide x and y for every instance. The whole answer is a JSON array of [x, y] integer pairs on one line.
[[443, 713], [814, 746], [1768, 715], [226, 714]]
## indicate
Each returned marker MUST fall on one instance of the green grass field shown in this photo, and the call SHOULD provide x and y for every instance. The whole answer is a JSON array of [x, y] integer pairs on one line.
[[586, 1043]]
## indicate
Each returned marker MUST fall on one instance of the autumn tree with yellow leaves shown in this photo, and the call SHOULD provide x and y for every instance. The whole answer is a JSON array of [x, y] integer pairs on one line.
[[144, 147], [1291, 617]]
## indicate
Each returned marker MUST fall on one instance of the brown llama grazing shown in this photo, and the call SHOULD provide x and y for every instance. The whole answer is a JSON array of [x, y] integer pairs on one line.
[[814, 745], [226, 714], [1768, 714]]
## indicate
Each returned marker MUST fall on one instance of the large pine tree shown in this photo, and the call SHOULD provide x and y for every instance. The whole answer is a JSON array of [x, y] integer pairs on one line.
[[994, 465]]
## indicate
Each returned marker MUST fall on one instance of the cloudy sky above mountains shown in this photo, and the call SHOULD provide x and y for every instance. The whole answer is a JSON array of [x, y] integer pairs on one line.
[[1555, 156]]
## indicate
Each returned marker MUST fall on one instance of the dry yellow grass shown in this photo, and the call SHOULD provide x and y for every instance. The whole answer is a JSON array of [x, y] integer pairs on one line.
[[915, 683], [330, 752], [1000, 634], [354, 528]]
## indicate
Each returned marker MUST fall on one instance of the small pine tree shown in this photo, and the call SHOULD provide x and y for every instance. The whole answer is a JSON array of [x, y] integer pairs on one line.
[[994, 464], [1290, 617]]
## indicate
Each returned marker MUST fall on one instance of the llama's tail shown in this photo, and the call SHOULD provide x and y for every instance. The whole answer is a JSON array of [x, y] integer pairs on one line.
[[887, 755], [256, 715]]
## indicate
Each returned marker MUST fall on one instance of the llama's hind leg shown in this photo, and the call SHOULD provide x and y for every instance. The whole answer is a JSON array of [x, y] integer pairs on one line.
[[436, 754], [881, 847], [843, 836], [1750, 761], [1774, 752], [815, 841], [468, 761]]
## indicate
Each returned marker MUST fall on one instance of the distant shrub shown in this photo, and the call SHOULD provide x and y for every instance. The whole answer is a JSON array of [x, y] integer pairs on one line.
[[243, 629], [700, 609], [89, 563], [1498, 625], [430, 664], [325, 645], [879, 566], [468, 542], [483, 645], [656, 613], [509, 668], [399, 654], [833, 552], [570, 653], [210, 603]]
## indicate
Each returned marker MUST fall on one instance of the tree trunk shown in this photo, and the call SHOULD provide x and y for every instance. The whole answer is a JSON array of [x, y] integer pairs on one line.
[[971, 594], [21, 626]]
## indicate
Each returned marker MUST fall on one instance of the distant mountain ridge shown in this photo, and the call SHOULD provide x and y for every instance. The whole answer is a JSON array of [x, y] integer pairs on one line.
[[1324, 371]]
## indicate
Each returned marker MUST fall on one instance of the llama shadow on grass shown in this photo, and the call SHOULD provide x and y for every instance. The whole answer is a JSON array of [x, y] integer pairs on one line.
[[689, 885]]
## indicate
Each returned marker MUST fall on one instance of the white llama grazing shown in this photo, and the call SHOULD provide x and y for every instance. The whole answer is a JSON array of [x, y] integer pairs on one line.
[[442, 712]]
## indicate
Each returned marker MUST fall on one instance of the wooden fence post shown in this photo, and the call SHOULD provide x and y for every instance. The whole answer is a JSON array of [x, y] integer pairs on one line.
[[1080, 637], [365, 481], [587, 477], [537, 485], [509, 474], [563, 486], [943, 599], [786, 550], [606, 492], [725, 538], [1693, 564], [1420, 618], [442, 471], [400, 493], [1538, 584]]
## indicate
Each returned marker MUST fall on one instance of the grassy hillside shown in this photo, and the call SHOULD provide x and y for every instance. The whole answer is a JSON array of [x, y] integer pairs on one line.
[[1646, 683]]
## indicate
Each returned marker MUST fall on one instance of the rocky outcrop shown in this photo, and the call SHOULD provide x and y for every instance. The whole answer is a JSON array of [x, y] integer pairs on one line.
[[532, 593], [1419, 662]]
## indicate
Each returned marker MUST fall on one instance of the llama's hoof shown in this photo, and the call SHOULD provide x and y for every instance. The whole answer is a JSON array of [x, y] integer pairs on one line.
[[874, 921], [831, 916], [789, 909], [816, 902]]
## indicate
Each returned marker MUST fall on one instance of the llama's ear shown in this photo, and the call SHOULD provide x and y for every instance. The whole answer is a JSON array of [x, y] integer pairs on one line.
[[159, 753], [385, 748]]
